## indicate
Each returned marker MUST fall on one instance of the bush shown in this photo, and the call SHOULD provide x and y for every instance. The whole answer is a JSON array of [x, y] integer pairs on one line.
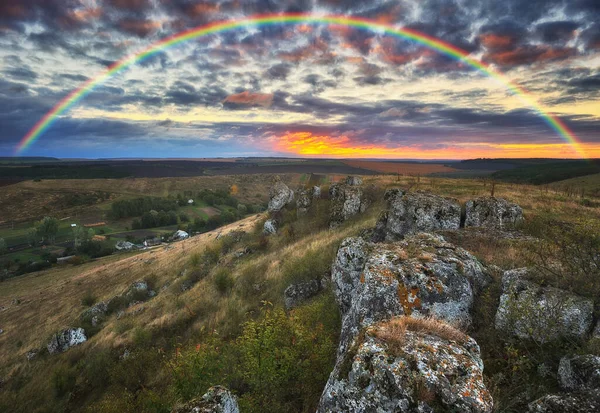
[[89, 299], [313, 264], [63, 381], [223, 280]]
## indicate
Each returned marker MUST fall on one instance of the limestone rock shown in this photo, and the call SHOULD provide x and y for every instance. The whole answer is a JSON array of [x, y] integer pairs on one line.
[[587, 402], [303, 200], [216, 400], [420, 372], [347, 200], [579, 373], [139, 291], [416, 212], [492, 212], [279, 196], [316, 192], [354, 181], [270, 227], [64, 340], [543, 314], [96, 312], [421, 276], [298, 293]]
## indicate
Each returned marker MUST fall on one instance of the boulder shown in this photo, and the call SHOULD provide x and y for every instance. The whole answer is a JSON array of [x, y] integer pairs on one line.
[[64, 340], [295, 294], [316, 192], [303, 200], [216, 400], [579, 373], [96, 312], [139, 291], [492, 212], [420, 276], [354, 181], [347, 200], [587, 402], [270, 227], [543, 314], [279, 196], [180, 235], [408, 371], [416, 212]]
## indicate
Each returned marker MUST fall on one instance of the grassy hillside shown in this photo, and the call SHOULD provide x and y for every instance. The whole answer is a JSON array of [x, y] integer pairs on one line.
[[588, 185], [218, 309], [548, 172]]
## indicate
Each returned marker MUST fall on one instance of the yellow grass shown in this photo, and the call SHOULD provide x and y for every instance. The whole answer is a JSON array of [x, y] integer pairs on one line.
[[393, 331]]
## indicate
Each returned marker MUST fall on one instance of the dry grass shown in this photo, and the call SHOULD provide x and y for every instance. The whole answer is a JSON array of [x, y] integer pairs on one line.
[[393, 332]]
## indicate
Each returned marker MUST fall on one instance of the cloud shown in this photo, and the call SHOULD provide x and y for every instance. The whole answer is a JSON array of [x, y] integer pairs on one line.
[[248, 99], [141, 28]]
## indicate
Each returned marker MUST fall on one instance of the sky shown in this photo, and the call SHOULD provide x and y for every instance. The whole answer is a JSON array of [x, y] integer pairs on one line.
[[301, 90]]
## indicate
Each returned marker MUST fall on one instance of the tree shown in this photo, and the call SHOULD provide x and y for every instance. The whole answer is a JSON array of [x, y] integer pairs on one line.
[[47, 229], [3, 247], [79, 236]]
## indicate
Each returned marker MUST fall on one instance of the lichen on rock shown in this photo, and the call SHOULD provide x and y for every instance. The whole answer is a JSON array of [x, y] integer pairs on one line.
[[64, 340], [416, 212], [492, 212], [542, 314], [418, 372]]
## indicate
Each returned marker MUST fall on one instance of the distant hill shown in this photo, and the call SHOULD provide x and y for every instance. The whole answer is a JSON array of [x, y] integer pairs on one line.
[[547, 172], [26, 159], [588, 185]]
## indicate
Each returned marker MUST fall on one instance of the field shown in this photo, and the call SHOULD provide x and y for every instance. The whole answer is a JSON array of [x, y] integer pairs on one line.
[[402, 168]]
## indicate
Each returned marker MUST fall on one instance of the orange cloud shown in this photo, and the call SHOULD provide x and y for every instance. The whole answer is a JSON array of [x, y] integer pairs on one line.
[[496, 41], [309, 144], [249, 99]]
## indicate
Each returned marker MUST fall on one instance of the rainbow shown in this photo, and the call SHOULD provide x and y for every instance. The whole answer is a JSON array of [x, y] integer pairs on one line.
[[265, 20]]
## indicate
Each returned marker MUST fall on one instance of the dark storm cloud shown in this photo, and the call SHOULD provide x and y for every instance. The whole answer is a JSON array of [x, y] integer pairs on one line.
[[183, 93], [75, 78], [279, 71], [21, 73], [556, 31]]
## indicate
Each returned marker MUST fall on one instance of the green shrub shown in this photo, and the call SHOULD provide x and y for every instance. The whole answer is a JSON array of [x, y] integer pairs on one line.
[[63, 381], [88, 299], [223, 280]]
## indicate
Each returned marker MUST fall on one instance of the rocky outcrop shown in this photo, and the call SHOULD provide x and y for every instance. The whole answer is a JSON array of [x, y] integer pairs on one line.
[[95, 314], [303, 200], [354, 181], [492, 212], [407, 371], [416, 212], [216, 400], [579, 373], [279, 196], [567, 403], [543, 314], [64, 340], [579, 377], [296, 294], [316, 192], [139, 291], [347, 200], [270, 227], [422, 276]]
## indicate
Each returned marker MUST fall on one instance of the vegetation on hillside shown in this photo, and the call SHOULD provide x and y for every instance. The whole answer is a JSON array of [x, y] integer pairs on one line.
[[218, 317]]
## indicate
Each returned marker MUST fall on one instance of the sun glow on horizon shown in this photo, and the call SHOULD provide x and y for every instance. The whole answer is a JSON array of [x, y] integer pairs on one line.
[[312, 145]]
